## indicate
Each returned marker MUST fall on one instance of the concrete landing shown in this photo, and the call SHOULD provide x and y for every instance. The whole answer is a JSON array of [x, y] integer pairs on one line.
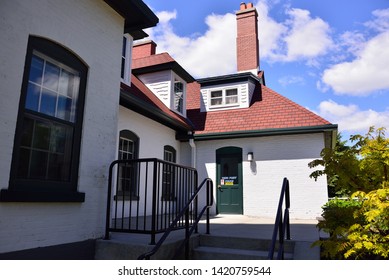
[[130, 246]]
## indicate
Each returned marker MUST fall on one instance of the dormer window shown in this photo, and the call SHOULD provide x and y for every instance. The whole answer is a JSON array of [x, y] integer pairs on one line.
[[224, 97], [178, 96], [125, 72]]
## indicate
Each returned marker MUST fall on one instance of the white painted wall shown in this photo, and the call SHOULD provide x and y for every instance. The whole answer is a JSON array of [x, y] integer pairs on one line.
[[275, 157], [93, 31], [153, 136]]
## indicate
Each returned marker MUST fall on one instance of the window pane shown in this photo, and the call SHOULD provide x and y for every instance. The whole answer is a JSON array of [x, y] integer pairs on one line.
[[38, 165], [231, 96], [28, 127], [58, 139], [215, 94], [51, 76], [122, 69], [178, 102], [48, 102], [36, 70], [32, 98], [64, 108], [24, 162], [124, 48], [58, 169], [41, 136], [178, 87], [64, 87]]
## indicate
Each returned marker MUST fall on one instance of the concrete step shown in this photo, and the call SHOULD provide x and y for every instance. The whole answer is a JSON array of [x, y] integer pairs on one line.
[[235, 248]]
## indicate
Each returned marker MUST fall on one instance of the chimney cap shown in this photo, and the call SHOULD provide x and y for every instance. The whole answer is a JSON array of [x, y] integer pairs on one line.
[[243, 6]]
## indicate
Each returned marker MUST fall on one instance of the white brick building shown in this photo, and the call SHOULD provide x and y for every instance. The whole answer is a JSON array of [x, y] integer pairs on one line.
[[71, 106]]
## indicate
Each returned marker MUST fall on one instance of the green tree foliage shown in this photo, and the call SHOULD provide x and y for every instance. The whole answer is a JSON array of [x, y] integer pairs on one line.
[[358, 224]]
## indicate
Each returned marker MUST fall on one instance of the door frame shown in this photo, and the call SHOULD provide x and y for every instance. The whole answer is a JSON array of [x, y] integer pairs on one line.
[[234, 152]]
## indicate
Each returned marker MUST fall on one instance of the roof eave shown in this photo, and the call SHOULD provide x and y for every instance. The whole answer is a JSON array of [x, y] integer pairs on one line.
[[266, 132], [172, 65], [232, 78], [149, 111], [136, 13]]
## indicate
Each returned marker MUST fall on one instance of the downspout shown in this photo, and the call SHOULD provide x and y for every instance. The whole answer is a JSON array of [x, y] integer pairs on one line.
[[193, 151]]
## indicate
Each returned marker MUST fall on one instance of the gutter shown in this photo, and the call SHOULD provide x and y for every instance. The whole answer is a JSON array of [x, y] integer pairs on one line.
[[152, 112], [193, 152], [266, 132]]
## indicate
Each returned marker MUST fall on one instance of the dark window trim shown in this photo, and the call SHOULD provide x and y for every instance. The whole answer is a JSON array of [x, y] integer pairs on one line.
[[169, 194], [128, 134], [26, 190]]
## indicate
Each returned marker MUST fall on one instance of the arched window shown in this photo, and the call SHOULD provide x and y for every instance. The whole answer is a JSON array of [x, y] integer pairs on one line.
[[128, 145], [128, 175], [168, 183], [48, 133]]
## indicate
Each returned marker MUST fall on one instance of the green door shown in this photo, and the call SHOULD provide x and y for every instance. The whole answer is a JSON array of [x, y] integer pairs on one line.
[[229, 180]]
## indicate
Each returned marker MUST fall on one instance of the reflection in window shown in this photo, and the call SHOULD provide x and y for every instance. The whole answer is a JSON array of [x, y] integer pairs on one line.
[[168, 179], [52, 89], [45, 150], [224, 97], [127, 176], [178, 96]]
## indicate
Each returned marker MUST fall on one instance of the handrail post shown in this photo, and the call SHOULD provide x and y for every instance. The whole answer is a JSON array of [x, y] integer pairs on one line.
[[154, 203], [108, 213], [207, 211], [287, 202], [187, 235]]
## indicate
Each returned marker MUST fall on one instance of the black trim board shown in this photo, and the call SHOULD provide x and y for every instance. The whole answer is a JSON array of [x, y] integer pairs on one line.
[[172, 65], [226, 79], [136, 13], [265, 132], [151, 112]]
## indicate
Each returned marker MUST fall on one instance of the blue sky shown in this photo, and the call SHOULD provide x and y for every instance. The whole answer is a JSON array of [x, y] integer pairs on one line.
[[331, 57]]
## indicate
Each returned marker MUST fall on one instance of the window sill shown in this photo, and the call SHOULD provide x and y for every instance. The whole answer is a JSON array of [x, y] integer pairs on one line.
[[224, 106], [36, 196]]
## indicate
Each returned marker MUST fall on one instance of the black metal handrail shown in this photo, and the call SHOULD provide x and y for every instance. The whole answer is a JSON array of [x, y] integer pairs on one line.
[[145, 195], [281, 225], [189, 228]]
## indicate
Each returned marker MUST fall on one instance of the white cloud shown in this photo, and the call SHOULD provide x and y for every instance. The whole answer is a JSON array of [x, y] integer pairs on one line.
[[367, 73], [308, 37], [301, 37], [350, 118], [202, 55], [381, 21], [290, 80], [364, 69]]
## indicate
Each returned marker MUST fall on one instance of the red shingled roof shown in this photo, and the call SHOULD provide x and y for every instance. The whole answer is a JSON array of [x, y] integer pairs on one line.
[[151, 60], [140, 91], [268, 110]]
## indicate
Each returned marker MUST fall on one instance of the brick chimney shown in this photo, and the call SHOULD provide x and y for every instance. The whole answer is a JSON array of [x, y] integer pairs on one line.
[[143, 49], [247, 44]]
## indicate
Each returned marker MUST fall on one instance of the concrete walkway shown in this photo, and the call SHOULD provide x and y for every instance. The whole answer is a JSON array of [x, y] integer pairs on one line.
[[255, 227]]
